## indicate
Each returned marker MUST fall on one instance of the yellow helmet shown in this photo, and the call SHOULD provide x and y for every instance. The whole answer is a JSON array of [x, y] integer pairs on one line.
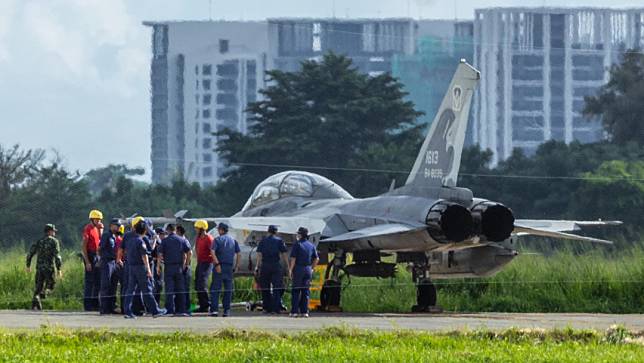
[[202, 224], [136, 220], [95, 214]]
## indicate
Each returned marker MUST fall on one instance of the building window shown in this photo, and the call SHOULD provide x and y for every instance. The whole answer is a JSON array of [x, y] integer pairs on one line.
[[206, 128], [197, 70], [206, 84], [207, 98], [205, 113], [206, 70], [317, 38], [229, 69], [223, 46], [207, 158], [207, 143], [207, 172], [227, 85], [197, 99]]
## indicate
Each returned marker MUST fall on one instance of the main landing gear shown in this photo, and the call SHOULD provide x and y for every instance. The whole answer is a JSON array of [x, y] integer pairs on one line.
[[368, 264], [425, 290]]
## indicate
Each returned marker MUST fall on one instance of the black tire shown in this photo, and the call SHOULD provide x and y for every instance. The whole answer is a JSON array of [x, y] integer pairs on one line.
[[330, 294], [425, 294]]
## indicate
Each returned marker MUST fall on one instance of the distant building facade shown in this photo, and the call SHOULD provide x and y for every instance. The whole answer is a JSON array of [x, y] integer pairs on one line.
[[204, 73], [537, 64], [202, 76], [426, 74]]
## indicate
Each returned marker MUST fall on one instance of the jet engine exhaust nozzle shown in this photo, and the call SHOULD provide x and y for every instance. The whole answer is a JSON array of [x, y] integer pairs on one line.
[[493, 220], [449, 222]]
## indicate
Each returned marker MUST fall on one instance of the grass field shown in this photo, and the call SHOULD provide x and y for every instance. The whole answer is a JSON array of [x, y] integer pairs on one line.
[[331, 344], [531, 283]]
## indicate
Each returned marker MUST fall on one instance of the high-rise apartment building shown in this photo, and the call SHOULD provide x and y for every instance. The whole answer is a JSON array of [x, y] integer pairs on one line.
[[204, 73], [202, 76], [537, 64]]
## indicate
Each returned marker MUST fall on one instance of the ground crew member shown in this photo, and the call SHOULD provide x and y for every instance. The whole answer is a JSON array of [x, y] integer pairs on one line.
[[91, 238], [109, 281], [225, 254], [203, 247], [159, 234], [187, 272], [270, 252], [48, 251], [118, 270], [304, 258], [149, 238], [139, 272], [174, 253], [121, 260]]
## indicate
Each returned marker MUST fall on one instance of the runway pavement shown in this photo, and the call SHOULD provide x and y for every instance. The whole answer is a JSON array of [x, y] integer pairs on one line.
[[20, 319]]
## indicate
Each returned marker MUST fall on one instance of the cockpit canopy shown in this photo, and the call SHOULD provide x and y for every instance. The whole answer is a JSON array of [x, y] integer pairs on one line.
[[295, 184]]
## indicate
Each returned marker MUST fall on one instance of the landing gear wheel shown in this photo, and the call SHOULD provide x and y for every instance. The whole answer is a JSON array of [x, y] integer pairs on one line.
[[332, 288], [425, 296], [330, 296]]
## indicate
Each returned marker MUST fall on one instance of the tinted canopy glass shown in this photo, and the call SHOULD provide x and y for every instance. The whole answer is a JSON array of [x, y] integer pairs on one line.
[[295, 184]]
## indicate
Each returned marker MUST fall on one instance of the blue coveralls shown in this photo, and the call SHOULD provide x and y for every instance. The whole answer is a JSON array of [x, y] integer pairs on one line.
[[187, 277], [157, 279], [109, 278], [271, 275], [173, 248], [304, 253], [125, 269], [226, 248], [137, 305], [137, 275]]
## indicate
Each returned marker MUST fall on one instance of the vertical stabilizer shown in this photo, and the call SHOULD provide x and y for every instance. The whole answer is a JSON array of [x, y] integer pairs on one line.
[[439, 158]]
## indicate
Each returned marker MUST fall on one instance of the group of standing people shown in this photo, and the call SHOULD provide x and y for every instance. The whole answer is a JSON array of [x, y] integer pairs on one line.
[[143, 261]]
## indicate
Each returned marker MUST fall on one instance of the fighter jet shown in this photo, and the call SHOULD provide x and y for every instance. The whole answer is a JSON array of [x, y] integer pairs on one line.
[[440, 230]]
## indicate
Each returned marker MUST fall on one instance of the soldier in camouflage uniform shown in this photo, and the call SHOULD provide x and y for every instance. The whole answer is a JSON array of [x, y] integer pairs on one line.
[[48, 251]]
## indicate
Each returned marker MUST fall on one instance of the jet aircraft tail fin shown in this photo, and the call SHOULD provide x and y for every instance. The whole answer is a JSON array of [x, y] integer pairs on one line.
[[439, 158]]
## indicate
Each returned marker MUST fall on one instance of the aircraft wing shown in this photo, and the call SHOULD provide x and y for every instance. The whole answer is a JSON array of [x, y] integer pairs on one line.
[[557, 228], [285, 225], [374, 232]]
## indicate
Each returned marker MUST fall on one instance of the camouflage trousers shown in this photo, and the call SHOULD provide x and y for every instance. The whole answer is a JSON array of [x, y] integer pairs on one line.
[[45, 280]]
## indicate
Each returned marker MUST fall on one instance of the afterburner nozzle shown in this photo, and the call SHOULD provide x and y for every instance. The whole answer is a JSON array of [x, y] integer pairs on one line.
[[449, 222], [493, 220]]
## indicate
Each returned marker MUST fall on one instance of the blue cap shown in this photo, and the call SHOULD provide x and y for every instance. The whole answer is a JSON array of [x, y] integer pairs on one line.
[[223, 226]]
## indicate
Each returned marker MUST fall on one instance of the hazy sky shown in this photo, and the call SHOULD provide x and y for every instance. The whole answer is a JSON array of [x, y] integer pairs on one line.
[[74, 74]]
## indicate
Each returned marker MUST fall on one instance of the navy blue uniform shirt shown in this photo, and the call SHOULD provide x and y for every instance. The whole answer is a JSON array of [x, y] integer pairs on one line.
[[225, 248], [270, 248], [172, 248], [135, 249], [304, 253], [106, 246], [126, 237]]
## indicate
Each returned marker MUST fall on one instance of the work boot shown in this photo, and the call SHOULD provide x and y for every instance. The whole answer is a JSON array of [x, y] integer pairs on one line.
[[35, 304]]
